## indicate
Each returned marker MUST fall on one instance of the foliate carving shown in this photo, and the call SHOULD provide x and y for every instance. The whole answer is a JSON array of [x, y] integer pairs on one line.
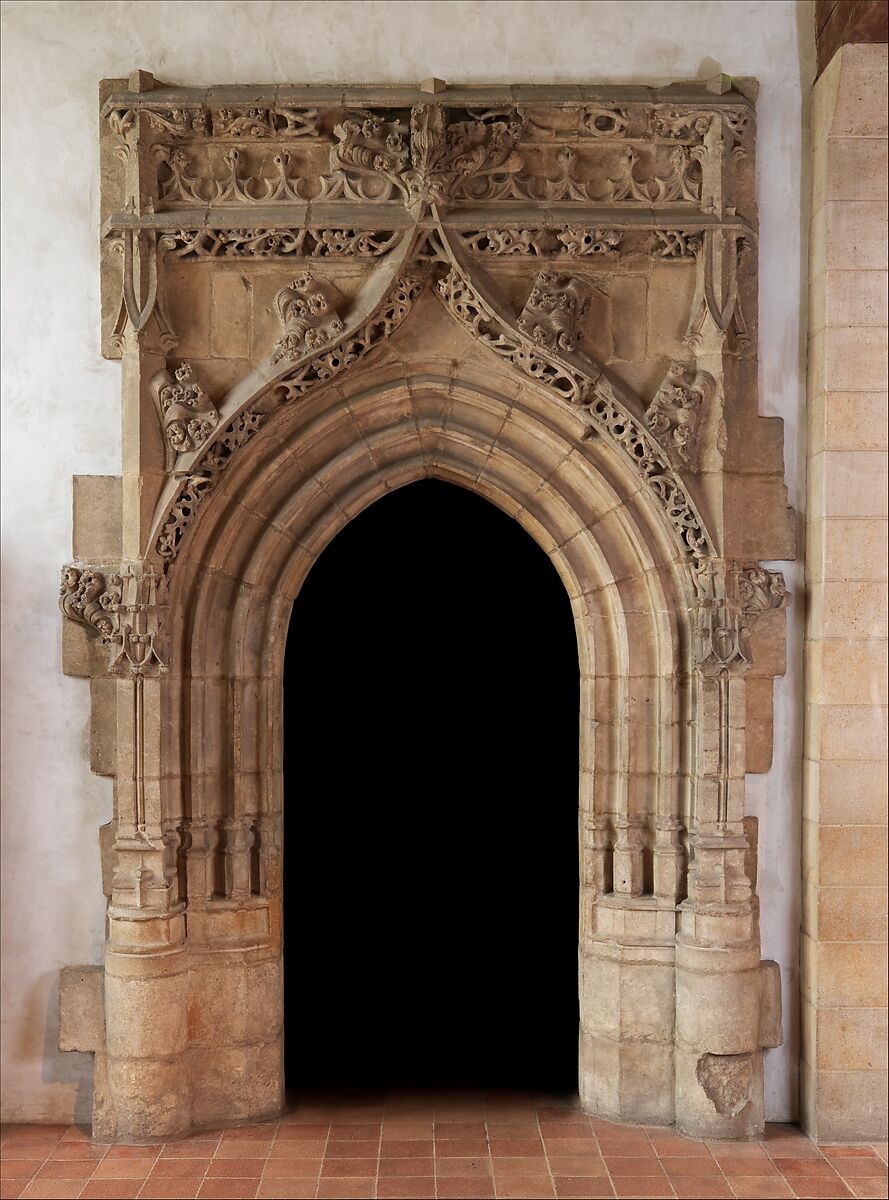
[[196, 122], [584, 389], [534, 243], [195, 488], [314, 370], [368, 158], [308, 315], [479, 152], [583, 242], [731, 600], [575, 241], [427, 161], [464, 302], [299, 242], [554, 311], [264, 122], [233, 437], [187, 413], [759, 591], [125, 607], [613, 419], [675, 412], [727, 1080], [570, 177], [185, 506], [693, 124], [177, 123], [356, 344], [673, 243]]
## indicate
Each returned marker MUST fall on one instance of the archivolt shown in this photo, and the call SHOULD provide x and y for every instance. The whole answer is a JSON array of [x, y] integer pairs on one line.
[[273, 512]]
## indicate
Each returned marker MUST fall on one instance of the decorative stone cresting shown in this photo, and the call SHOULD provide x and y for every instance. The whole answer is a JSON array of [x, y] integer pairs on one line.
[[545, 295]]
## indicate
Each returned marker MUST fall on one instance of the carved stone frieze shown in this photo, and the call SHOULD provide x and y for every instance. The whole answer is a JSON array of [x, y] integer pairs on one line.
[[693, 124], [188, 415], [126, 608], [308, 314], [368, 159], [674, 414], [248, 123], [574, 241], [298, 242], [242, 178], [674, 243]]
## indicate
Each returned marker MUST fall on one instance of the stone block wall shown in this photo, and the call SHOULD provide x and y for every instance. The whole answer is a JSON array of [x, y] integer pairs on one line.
[[844, 1051]]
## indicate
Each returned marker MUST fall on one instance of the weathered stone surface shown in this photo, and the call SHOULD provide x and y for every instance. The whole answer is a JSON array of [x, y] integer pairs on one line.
[[341, 306], [81, 1009]]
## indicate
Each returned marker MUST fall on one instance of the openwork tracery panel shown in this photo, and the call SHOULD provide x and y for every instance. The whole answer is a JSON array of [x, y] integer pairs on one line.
[[546, 295]]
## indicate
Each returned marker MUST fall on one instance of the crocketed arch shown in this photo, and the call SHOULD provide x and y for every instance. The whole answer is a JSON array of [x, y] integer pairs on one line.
[[325, 459]]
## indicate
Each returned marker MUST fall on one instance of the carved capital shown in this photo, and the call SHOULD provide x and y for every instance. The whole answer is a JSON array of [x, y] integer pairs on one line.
[[731, 599], [126, 607]]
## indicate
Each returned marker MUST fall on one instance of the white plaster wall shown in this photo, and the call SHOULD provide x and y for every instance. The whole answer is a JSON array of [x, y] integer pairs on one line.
[[60, 398]]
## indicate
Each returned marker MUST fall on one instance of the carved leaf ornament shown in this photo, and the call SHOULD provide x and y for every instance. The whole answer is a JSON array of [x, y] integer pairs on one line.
[[428, 160]]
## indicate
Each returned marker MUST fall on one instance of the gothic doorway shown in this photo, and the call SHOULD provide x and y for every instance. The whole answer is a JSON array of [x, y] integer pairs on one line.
[[544, 296], [430, 867]]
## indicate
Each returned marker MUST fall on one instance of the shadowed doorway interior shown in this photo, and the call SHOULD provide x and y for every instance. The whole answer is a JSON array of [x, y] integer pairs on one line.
[[430, 858]]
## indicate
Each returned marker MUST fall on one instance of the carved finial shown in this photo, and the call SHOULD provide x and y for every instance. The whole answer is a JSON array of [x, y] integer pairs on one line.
[[433, 85]]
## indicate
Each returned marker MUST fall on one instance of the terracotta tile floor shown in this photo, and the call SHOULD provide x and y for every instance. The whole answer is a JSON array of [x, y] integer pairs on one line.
[[415, 1146]]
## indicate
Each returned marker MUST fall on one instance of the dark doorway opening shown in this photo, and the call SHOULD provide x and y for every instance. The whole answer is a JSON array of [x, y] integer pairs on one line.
[[430, 815]]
